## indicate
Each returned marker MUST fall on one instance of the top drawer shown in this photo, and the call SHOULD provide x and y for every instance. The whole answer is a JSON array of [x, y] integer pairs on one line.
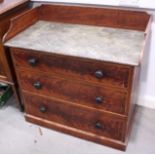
[[97, 72]]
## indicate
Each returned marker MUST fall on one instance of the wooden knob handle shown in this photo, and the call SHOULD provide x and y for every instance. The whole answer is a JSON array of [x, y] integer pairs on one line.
[[37, 85], [43, 109], [99, 74], [32, 61], [98, 125], [99, 100]]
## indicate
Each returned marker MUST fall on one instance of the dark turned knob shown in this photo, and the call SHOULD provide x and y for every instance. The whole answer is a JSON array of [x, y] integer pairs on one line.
[[37, 85], [42, 109], [99, 126], [99, 100], [99, 74], [32, 61]]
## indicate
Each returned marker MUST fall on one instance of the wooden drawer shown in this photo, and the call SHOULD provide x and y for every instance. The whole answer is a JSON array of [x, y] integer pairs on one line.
[[92, 71], [75, 92], [100, 124]]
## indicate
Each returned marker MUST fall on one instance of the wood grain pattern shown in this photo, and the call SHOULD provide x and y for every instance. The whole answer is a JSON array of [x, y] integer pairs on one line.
[[76, 132], [76, 117], [87, 15], [28, 18], [133, 98], [74, 92], [114, 75], [94, 15]]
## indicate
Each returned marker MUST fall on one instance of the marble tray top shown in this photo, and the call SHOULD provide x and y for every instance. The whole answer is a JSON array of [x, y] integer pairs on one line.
[[94, 42]]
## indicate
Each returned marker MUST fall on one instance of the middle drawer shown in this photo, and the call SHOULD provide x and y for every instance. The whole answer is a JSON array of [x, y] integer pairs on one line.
[[75, 92]]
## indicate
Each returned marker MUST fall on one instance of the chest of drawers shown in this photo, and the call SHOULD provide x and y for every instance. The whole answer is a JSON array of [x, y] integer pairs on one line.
[[80, 78]]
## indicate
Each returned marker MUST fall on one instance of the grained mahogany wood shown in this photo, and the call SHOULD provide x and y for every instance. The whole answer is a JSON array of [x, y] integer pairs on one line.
[[77, 117], [78, 133], [94, 15], [133, 98], [6, 17], [114, 75], [87, 15], [16, 26], [71, 91]]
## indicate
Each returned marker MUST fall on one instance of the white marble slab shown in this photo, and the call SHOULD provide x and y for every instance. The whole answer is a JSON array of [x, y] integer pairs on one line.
[[101, 43]]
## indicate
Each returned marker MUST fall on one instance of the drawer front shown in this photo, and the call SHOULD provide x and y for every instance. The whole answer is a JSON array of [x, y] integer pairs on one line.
[[75, 92], [74, 68], [76, 117]]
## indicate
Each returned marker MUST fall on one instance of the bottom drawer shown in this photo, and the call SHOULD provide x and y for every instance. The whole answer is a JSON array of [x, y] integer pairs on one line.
[[77, 117]]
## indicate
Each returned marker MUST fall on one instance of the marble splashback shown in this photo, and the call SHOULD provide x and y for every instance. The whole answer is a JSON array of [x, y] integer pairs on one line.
[[100, 43]]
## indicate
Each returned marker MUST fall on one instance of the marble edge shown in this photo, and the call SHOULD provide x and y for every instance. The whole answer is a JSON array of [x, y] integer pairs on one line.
[[108, 61]]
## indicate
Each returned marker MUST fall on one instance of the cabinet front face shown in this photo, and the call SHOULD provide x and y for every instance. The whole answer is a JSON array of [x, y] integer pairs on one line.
[[66, 92], [80, 95]]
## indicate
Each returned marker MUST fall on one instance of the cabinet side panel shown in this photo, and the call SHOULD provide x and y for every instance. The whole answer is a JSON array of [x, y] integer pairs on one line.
[[133, 98]]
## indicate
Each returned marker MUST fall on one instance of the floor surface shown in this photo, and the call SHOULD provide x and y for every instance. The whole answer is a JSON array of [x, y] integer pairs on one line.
[[18, 136]]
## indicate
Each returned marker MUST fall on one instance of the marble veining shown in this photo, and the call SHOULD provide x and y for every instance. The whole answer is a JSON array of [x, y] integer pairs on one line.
[[94, 42]]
